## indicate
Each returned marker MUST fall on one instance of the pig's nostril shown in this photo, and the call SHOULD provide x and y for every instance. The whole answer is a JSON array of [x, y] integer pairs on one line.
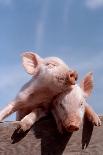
[[74, 75], [71, 75], [76, 78]]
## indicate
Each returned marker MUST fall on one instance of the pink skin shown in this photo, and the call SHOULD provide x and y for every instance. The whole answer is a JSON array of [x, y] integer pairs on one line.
[[50, 76], [70, 107]]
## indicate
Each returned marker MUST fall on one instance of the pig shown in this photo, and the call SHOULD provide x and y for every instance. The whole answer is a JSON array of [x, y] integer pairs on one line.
[[70, 107], [50, 76]]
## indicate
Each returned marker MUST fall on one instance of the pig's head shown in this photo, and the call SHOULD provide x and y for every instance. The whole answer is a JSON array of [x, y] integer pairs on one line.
[[51, 71], [69, 107]]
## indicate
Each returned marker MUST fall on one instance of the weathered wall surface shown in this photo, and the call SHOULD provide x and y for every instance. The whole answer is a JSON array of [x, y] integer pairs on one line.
[[44, 139]]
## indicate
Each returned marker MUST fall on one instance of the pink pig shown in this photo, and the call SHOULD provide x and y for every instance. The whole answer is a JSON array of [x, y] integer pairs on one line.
[[70, 107], [50, 76]]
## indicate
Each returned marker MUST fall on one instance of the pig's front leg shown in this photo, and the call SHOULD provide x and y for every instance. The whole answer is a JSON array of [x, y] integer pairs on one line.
[[92, 116], [27, 122], [9, 109]]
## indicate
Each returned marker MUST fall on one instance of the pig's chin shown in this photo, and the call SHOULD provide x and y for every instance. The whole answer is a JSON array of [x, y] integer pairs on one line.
[[62, 83]]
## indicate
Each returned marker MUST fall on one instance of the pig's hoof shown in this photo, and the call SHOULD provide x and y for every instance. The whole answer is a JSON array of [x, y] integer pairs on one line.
[[97, 121], [24, 127], [20, 130], [18, 134]]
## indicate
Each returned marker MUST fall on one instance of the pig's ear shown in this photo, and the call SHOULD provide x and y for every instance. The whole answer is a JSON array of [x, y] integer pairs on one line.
[[87, 84], [30, 62]]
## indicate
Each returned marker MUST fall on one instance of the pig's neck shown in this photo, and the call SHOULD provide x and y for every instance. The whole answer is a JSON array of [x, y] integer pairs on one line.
[[37, 85], [43, 88]]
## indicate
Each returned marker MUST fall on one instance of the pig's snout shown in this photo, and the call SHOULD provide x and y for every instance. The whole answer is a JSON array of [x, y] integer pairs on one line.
[[72, 124], [72, 77]]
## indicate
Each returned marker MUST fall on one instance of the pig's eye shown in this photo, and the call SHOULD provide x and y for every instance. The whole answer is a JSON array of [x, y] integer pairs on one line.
[[50, 65], [47, 64]]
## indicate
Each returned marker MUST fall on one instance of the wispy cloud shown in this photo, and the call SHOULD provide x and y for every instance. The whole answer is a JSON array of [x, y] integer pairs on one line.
[[41, 23], [94, 4], [67, 5], [6, 2]]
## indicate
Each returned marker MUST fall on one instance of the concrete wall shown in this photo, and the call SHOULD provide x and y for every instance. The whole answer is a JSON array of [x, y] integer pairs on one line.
[[44, 139]]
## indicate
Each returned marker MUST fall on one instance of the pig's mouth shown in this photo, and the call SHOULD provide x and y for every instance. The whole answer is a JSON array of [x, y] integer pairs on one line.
[[71, 127]]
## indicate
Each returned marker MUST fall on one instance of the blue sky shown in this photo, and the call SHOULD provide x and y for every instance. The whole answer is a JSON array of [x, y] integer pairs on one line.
[[69, 29]]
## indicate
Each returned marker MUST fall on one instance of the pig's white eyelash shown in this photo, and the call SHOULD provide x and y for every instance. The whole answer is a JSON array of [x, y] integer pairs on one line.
[[53, 64], [50, 66]]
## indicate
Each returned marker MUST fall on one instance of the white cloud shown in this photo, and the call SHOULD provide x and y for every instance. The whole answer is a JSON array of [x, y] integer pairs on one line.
[[6, 2], [40, 27], [94, 4], [66, 9]]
